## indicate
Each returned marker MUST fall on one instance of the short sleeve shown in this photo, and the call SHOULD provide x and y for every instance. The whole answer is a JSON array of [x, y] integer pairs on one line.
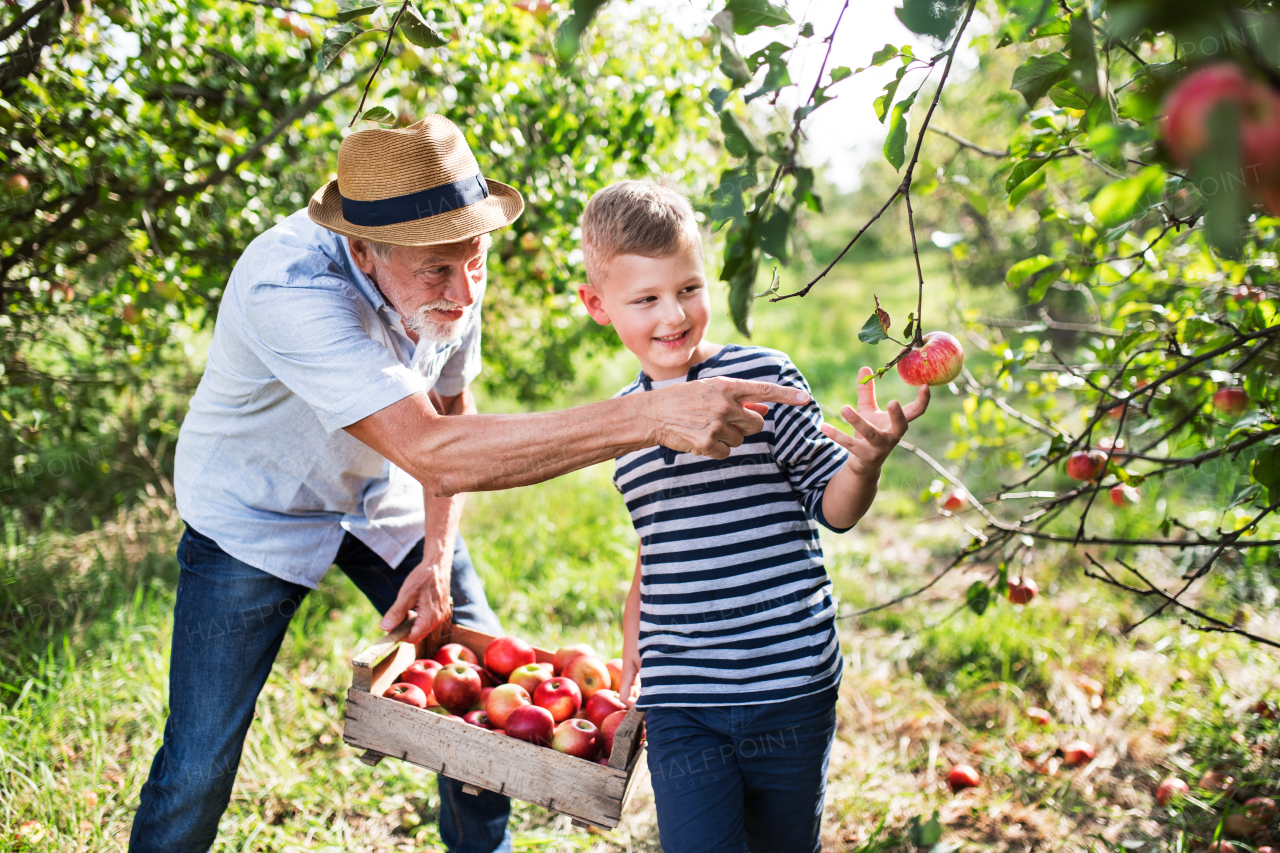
[[313, 337], [808, 457], [464, 363]]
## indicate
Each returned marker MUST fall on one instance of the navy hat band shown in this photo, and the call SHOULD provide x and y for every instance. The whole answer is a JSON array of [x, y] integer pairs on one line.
[[419, 205]]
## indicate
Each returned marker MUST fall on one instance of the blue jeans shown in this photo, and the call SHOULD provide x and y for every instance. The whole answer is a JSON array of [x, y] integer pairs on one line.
[[228, 624], [741, 777]]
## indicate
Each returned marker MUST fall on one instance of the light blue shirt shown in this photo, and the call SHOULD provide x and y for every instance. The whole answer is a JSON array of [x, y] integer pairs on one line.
[[303, 346]]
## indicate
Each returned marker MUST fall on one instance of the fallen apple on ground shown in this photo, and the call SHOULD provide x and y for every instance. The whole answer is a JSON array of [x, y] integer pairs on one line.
[[1077, 752], [530, 723], [963, 776], [1039, 715], [1241, 826], [1219, 783], [1261, 809], [938, 362], [579, 738], [409, 694], [1171, 788]]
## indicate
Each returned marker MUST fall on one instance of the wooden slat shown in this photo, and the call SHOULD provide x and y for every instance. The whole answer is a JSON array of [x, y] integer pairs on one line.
[[472, 755], [362, 665], [626, 738], [478, 641], [371, 758], [388, 670]]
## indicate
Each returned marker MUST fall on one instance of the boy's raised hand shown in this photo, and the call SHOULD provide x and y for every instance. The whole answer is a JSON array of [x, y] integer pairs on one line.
[[876, 432]]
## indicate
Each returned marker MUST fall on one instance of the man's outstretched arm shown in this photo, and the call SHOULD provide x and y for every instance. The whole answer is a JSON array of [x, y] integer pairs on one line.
[[450, 455]]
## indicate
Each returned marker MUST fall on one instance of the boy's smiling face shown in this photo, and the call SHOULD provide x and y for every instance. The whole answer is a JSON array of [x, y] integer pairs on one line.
[[659, 306]]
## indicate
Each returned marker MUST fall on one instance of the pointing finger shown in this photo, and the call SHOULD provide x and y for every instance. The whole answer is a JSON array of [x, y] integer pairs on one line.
[[761, 392]]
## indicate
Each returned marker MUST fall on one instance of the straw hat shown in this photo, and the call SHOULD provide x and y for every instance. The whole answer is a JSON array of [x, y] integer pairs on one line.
[[412, 186]]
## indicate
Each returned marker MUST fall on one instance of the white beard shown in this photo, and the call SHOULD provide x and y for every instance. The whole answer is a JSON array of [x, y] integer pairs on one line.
[[427, 326]]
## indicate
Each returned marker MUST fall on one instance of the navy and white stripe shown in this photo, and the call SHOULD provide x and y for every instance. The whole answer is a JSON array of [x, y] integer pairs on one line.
[[735, 605]]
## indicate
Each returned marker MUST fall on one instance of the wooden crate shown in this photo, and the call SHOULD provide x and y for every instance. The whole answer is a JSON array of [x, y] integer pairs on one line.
[[590, 793]]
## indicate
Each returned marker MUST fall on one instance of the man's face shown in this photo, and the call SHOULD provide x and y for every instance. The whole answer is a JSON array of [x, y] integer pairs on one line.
[[430, 287]]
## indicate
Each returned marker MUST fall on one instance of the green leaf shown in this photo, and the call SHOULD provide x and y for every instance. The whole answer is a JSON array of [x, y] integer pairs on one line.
[[1065, 96], [335, 39], [1024, 269], [882, 103], [876, 329], [378, 114], [1025, 188], [1022, 170], [349, 10], [1129, 198], [935, 18], [726, 201], [804, 193], [977, 598], [737, 141], [416, 29], [895, 144], [773, 232], [740, 269], [569, 35], [750, 15], [1038, 74], [732, 65], [839, 73]]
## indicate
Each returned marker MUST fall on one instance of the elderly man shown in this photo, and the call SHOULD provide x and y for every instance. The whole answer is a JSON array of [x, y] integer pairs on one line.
[[334, 425]]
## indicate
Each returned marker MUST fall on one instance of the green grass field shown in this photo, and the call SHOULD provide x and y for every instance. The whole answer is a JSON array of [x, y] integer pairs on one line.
[[84, 646]]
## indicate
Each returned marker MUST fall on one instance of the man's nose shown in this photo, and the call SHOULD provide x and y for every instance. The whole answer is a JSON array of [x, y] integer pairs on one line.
[[460, 287]]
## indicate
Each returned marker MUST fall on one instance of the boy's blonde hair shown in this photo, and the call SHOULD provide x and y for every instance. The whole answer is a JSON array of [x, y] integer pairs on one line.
[[635, 218]]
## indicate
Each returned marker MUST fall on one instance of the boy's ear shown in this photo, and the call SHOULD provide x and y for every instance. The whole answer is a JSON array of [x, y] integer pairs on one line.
[[592, 302]]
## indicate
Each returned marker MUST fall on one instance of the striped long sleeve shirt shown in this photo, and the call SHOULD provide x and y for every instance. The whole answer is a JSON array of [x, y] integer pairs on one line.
[[735, 603]]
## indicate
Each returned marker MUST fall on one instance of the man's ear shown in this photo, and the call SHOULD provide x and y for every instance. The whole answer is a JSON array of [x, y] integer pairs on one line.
[[592, 302], [362, 255]]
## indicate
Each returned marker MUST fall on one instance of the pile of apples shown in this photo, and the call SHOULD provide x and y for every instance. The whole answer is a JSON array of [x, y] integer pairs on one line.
[[570, 705]]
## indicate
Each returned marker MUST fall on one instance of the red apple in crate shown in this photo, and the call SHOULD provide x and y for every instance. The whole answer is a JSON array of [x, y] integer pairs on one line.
[[1171, 788], [568, 653], [1123, 495], [455, 718], [504, 699], [409, 694], [1231, 401], [560, 696], [486, 680], [579, 738], [457, 687], [507, 654], [1039, 715], [1261, 809], [1189, 106], [1077, 752], [454, 652], [589, 673], [438, 709], [530, 723], [963, 776], [938, 362], [530, 676], [1021, 590], [955, 500], [603, 761], [423, 674], [1086, 464], [499, 732], [609, 728], [601, 704], [478, 718], [484, 697], [614, 665]]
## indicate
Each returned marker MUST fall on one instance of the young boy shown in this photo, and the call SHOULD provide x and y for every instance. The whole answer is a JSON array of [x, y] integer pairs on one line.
[[730, 615]]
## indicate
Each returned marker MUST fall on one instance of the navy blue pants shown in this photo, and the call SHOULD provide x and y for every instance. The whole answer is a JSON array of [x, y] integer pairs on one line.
[[741, 777], [228, 623]]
